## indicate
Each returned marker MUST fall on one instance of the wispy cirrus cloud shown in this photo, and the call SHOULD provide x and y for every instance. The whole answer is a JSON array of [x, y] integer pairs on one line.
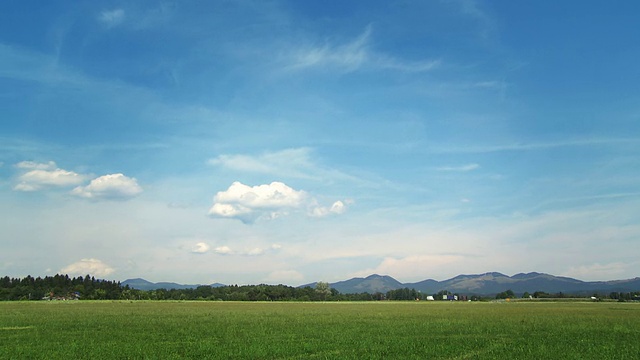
[[352, 56], [460, 168], [290, 163], [112, 18], [203, 248], [532, 146], [349, 56]]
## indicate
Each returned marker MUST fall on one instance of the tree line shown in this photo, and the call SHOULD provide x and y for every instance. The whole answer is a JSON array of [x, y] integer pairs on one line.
[[63, 287], [59, 287]]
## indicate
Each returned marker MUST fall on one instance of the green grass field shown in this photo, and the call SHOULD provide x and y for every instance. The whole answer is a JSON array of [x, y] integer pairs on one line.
[[281, 330]]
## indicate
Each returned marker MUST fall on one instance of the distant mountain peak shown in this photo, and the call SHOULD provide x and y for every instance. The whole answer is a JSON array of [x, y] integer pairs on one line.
[[378, 276], [528, 275]]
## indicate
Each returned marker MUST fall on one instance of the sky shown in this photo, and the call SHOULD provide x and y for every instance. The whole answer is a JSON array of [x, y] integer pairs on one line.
[[247, 142]]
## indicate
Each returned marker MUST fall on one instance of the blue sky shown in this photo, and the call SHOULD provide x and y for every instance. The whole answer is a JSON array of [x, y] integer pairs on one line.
[[295, 141]]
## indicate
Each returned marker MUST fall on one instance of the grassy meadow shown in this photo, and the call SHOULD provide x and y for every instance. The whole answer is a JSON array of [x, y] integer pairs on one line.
[[283, 330]]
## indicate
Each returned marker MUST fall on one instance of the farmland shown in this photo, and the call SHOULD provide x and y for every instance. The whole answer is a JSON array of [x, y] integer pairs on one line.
[[298, 330]]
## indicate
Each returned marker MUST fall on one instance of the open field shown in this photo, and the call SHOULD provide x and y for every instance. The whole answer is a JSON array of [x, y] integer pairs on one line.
[[375, 330]]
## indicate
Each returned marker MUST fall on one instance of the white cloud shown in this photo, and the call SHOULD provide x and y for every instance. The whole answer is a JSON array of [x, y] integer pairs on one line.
[[250, 203], [92, 267], [223, 250], [111, 18], [45, 174], [267, 201], [113, 186], [200, 248], [337, 208], [56, 177]]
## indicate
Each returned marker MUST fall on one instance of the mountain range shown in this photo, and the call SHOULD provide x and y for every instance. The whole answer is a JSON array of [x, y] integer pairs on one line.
[[490, 284], [480, 284]]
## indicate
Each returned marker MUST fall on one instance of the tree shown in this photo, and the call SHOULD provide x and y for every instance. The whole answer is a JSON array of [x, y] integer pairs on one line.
[[323, 289], [506, 294]]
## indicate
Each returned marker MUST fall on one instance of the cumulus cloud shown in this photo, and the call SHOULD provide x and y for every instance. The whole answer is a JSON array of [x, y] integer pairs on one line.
[[223, 250], [91, 266], [337, 208], [111, 18], [41, 175], [113, 186], [268, 201], [200, 248], [248, 203]]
